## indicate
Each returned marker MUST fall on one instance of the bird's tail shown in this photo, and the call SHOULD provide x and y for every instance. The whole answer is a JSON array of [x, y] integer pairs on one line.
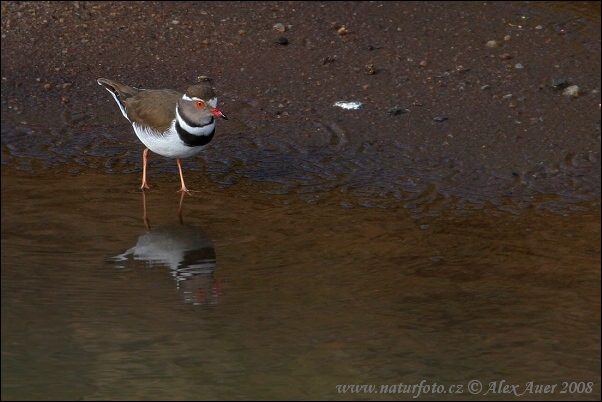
[[119, 92]]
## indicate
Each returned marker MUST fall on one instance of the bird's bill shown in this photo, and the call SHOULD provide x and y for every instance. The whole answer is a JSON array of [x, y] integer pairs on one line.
[[217, 113]]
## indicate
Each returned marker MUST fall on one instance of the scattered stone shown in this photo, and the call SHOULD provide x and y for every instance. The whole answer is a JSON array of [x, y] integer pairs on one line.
[[560, 83], [282, 41], [48, 87], [328, 60], [493, 44], [519, 66], [440, 119], [279, 27], [369, 68], [349, 105], [573, 91], [397, 110]]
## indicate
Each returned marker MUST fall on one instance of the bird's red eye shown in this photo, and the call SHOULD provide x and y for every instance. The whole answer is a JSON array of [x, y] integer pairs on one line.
[[199, 104]]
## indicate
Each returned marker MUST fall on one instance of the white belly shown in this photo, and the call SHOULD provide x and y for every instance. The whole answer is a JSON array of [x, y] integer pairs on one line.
[[167, 144]]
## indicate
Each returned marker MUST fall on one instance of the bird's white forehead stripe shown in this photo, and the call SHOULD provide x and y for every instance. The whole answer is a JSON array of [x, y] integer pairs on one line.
[[212, 101]]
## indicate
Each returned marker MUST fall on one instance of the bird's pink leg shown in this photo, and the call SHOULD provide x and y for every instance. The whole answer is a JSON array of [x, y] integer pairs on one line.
[[144, 163], [183, 189]]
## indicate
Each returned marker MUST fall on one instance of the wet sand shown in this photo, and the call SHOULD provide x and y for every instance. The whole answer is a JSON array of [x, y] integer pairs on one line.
[[443, 106]]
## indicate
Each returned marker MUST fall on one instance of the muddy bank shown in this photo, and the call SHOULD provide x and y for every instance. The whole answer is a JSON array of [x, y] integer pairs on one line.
[[462, 102]]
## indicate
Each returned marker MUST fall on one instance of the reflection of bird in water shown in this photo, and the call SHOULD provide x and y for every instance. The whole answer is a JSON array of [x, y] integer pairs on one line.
[[186, 250], [145, 214]]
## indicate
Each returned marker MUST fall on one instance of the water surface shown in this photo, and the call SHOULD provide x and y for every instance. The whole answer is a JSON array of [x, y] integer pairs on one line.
[[299, 298]]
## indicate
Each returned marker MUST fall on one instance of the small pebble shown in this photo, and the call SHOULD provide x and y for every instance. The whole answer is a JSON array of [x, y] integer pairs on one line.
[[440, 119], [329, 59], [279, 27], [560, 83], [397, 110], [573, 91], [282, 40], [493, 44], [349, 105]]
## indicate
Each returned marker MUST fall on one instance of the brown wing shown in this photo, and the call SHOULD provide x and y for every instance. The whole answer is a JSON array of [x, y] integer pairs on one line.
[[156, 108]]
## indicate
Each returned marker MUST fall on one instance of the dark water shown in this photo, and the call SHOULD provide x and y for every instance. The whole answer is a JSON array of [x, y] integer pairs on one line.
[[279, 299]]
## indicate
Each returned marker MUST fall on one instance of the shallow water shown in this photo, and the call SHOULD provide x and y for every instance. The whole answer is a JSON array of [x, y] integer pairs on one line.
[[300, 298]]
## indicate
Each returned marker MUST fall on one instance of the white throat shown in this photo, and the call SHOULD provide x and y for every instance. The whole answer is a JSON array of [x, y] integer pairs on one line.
[[202, 130]]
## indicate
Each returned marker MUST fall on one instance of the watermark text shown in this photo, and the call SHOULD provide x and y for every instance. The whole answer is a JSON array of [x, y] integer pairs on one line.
[[474, 387]]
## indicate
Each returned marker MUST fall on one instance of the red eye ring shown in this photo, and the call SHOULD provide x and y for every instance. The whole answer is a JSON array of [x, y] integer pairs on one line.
[[199, 104]]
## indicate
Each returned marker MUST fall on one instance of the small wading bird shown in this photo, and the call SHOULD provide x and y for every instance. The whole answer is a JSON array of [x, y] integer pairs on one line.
[[168, 122]]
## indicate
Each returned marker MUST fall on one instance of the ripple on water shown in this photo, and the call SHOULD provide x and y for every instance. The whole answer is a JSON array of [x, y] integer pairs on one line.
[[388, 177]]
